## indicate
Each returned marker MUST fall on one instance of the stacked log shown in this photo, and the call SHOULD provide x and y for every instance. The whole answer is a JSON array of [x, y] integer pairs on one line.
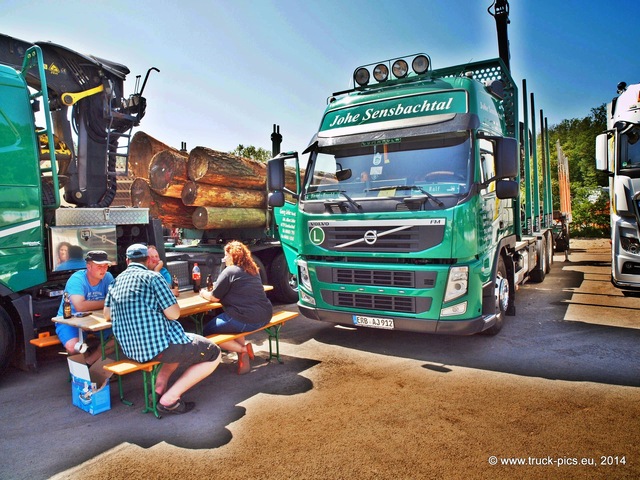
[[142, 149], [203, 195], [206, 218], [171, 211], [207, 189], [222, 169], [168, 173]]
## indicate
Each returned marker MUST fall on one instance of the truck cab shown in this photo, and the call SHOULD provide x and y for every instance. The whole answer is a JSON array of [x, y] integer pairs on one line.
[[618, 153], [403, 214]]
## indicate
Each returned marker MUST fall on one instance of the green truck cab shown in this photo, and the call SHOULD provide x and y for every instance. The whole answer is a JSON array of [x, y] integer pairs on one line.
[[406, 211]]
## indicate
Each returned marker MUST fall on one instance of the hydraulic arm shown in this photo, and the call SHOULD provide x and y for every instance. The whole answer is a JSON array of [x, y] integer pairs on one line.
[[86, 95]]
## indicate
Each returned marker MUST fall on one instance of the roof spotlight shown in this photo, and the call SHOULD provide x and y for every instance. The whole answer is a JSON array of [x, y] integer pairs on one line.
[[381, 72], [420, 64], [361, 76], [400, 68]]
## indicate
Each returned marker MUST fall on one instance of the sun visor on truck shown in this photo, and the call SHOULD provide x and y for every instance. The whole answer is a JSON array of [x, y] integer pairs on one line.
[[454, 123]]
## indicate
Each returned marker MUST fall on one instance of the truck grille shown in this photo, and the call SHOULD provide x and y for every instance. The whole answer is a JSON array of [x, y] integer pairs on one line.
[[374, 302], [400, 236], [378, 278], [387, 303], [373, 277]]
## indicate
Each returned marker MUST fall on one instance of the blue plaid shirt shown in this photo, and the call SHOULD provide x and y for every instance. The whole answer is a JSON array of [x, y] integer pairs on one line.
[[137, 299]]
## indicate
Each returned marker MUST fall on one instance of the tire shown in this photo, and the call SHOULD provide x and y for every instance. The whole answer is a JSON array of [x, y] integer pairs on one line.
[[263, 271], [284, 284], [502, 297], [7, 340], [538, 273]]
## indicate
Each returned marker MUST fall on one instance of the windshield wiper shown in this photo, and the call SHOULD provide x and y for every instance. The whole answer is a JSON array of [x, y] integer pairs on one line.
[[350, 201], [408, 187]]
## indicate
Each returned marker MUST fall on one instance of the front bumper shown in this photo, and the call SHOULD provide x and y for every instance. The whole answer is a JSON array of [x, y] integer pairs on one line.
[[442, 327]]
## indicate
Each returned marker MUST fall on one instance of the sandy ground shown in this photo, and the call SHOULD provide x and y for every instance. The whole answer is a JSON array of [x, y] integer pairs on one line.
[[367, 418]]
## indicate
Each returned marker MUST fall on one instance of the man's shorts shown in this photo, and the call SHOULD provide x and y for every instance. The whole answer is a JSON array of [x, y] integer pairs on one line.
[[199, 350]]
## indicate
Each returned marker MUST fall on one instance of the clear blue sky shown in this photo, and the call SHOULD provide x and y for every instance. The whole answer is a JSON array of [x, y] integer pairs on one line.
[[230, 69]]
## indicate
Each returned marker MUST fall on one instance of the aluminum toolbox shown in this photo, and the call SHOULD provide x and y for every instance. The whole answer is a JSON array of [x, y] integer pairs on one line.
[[101, 216]]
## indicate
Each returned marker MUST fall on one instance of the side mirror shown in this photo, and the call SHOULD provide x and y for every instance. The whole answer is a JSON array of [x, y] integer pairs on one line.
[[507, 189], [506, 158], [275, 174], [602, 152], [276, 199]]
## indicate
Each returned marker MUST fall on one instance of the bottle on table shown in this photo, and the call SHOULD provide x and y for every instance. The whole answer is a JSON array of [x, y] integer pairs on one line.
[[174, 282], [195, 276], [66, 306], [209, 283]]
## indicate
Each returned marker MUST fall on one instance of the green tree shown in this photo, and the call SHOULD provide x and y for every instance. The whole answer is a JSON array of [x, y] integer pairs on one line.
[[577, 139], [250, 151]]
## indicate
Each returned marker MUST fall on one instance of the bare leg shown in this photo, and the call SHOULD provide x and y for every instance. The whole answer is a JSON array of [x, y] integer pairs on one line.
[[69, 346], [237, 345], [164, 375], [191, 376]]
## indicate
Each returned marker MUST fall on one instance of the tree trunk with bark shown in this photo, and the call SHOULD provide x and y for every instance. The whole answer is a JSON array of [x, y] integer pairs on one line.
[[222, 169], [141, 151], [216, 217], [168, 173], [171, 211], [203, 195]]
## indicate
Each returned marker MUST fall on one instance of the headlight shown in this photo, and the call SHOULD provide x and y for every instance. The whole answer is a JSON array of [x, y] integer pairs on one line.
[[361, 76], [400, 68], [305, 297], [381, 72], [457, 283], [303, 275], [457, 309], [420, 64]]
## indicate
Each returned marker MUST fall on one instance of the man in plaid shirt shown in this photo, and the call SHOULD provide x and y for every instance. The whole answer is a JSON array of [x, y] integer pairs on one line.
[[144, 312]]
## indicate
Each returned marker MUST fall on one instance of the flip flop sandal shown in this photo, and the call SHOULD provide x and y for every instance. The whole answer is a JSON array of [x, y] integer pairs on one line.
[[250, 351], [177, 408]]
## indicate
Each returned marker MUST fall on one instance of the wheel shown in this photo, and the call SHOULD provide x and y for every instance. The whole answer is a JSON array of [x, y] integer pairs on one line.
[[284, 283], [538, 273], [7, 339], [502, 298], [263, 271]]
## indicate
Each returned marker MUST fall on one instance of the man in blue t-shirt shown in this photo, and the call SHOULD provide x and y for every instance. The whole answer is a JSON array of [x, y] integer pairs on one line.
[[87, 290]]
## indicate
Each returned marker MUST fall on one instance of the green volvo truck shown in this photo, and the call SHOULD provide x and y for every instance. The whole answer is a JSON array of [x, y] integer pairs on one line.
[[419, 204], [64, 127]]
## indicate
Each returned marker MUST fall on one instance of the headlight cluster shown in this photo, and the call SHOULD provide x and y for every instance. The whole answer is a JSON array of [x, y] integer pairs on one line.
[[399, 67]]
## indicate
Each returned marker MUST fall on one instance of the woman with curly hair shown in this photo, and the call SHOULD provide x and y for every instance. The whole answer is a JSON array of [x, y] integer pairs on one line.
[[246, 307]]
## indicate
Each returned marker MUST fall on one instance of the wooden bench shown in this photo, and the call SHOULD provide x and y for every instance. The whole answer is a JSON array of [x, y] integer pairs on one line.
[[272, 328], [150, 369], [45, 339]]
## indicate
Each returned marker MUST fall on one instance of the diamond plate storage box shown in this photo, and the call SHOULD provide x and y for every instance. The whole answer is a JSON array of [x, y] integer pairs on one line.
[[101, 216]]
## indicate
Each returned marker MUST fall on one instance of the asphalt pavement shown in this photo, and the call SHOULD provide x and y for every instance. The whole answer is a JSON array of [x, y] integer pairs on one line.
[[574, 327]]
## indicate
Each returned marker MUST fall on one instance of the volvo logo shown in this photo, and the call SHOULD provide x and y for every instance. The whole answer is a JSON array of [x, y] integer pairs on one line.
[[370, 237]]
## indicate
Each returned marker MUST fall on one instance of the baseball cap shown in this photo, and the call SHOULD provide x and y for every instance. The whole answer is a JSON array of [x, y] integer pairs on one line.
[[98, 256], [137, 250]]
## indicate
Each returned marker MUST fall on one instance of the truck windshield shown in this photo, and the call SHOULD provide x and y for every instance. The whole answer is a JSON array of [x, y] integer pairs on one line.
[[630, 149], [438, 165]]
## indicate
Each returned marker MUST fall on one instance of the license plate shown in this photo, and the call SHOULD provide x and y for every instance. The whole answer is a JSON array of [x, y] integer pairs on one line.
[[373, 322]]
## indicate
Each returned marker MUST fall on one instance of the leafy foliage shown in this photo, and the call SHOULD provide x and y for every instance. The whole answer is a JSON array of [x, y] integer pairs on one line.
[[577, 139], [250, 151]]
